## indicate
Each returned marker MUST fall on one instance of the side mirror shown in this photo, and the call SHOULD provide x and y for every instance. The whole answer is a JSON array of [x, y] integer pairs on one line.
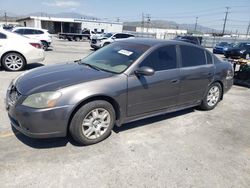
[[145, 71]]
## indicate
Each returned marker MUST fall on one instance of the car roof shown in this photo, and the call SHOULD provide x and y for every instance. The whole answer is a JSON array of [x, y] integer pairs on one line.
[[154, 42], [29, 28]]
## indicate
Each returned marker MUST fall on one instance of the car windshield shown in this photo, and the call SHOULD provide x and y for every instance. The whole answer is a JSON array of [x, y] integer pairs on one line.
[[116, 57]]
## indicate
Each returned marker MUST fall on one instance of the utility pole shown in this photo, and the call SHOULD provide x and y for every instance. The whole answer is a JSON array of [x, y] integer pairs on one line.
[[148, 19], [196, 21], [225, 21], [5, 17], [142, 22], [248, 28]]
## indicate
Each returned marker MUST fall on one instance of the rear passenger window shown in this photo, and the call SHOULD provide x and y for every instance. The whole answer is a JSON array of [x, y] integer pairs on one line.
[[209, 58], [163, 58], [19, 31], [39, 32], [2, 36], [29, 32], [192, 56]]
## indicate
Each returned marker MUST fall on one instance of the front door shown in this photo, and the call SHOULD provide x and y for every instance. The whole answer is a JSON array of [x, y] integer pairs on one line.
[[156, 92]]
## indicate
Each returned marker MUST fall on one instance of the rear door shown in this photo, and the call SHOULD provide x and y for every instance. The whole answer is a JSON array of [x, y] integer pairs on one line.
[[159, 91], [196, 73], [3, 42]]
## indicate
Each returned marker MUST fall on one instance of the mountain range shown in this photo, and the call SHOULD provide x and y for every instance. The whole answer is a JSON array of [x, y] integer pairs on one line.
[[154, 23]]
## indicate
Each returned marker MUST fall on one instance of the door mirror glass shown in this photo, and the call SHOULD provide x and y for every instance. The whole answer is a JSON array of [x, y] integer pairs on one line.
[[145, 71]]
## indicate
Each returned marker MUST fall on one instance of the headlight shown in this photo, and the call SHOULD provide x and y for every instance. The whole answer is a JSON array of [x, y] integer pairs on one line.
[[225, 49], [242, 51], [42, 100]]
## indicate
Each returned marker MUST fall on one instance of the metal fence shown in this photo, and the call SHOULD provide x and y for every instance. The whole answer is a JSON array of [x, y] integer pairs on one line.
[[210, 42], [207, 41]]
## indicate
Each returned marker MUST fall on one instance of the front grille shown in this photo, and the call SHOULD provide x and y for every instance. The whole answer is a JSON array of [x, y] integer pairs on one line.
[[93, 41]]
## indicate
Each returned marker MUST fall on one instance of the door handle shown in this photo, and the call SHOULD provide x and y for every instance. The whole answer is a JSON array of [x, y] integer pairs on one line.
[[175, 81]]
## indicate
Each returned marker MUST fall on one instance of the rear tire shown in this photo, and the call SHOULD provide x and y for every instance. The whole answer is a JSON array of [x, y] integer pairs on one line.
[[45, 45], [13, 62], [212, 97], [93, 122]]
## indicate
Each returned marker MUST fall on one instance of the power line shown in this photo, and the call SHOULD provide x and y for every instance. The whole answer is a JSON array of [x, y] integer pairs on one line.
[[248, 28], [148, 20], [196, 21], [225, 21]]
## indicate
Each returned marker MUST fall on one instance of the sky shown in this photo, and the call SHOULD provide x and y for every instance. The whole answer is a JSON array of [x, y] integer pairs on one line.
[[210, 13]]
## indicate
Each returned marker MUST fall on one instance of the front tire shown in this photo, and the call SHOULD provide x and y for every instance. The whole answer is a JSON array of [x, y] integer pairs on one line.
[[93, 122], [212, 97], [13, 62]]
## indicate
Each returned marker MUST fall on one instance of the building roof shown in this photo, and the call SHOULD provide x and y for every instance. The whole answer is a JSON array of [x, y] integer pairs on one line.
[[76, 20]]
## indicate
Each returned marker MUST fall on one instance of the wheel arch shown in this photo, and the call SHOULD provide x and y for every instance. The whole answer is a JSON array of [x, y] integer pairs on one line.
[[109, 99], [222, 87], [12, 51]]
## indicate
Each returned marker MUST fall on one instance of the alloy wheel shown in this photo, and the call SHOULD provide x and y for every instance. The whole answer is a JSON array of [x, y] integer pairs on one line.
[[96, 123], [13, 62], [213, 96]]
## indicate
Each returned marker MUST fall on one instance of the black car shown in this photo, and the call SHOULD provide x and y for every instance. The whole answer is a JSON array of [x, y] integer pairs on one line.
[[122, 82], [240, 50], [190, 39], [221, 47]]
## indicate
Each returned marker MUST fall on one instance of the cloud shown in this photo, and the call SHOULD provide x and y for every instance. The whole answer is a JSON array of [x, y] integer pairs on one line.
[[61, 3]]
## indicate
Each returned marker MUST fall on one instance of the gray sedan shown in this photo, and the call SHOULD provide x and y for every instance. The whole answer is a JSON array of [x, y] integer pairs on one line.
[[120, 83]]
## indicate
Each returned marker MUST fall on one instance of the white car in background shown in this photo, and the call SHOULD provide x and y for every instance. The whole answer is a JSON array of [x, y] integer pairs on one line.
[[16, 51], [41, 34], [107, 38]]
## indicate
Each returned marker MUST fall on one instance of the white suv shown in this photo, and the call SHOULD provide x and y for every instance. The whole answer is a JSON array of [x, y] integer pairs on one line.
[[41, 34], [107, 38]]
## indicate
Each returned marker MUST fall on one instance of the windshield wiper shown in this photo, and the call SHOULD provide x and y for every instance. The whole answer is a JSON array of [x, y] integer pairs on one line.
[[89, 65]]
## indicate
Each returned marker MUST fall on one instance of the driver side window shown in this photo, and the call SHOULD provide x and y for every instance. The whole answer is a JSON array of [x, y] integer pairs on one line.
[[163, 58]]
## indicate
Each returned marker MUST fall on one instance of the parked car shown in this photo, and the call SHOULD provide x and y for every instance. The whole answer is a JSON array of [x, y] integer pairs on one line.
[[41, 34], [190, 39], [123, 82], [85, 34], [107, 38], [240, 50], [16, 51], [221, 47]]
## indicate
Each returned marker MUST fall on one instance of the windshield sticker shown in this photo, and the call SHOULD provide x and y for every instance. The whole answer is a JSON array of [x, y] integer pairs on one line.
[[125, 52]]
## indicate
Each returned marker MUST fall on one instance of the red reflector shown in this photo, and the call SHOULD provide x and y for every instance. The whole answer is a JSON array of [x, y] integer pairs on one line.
[[36, 45]]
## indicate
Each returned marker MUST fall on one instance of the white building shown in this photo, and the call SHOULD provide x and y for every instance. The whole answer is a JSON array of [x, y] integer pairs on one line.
[[70, 25], [162, 33]]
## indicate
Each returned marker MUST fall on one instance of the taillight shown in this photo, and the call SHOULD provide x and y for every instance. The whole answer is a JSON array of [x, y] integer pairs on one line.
[[36, 45]]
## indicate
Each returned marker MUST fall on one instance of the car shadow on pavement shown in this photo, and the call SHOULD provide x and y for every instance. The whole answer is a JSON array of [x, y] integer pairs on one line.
[[149, 121], [28, 66], [33, 65], [44, 143], [62, 142]]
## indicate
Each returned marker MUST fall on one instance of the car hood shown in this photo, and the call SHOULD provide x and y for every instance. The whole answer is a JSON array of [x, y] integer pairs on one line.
[[54, 77]]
